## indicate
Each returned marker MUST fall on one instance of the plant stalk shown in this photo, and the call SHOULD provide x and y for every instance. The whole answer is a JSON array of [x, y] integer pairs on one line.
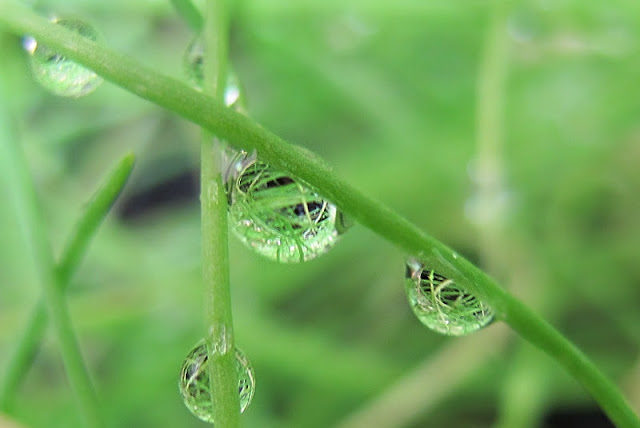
[[215, 252]]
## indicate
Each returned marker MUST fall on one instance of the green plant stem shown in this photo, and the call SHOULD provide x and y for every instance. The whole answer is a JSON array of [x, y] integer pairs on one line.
[[215, 253], [241, 131], [86, 227], [189, 13], [25, 202]]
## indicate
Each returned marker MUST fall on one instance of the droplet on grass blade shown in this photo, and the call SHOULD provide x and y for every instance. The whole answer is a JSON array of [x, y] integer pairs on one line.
[[276, 215], [442, 304], [195, 387], [58, 74], [194, 69]]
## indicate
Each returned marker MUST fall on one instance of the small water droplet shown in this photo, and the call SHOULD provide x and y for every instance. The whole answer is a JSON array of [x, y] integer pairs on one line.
[[195, 386], [194, 69], [276, 215], [442, 304], [59, 74]]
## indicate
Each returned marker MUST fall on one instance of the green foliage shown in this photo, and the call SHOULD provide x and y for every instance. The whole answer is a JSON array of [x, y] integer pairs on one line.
[[385, 92]]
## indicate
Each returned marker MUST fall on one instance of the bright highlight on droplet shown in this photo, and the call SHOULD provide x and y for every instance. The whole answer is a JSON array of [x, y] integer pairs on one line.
[[58, 74], [194, 69], [195, 386], [442, 304], [276, 215]]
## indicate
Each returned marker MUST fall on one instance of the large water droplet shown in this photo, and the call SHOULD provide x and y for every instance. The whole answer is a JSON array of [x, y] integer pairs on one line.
[[276, 215], [59, 74], [196, 388], [443, 304], [194, 69]]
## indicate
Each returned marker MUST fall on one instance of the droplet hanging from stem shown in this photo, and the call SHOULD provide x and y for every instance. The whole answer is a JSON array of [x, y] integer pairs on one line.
[[195, 387], [57, 73], [443, 304], [276, 215]]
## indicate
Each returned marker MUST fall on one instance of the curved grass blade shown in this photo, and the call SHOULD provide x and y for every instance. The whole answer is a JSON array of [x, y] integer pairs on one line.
[[84, 230]]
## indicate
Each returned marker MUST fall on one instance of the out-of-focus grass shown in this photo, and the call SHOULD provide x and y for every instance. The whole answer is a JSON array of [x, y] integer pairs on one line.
[[386, 92]]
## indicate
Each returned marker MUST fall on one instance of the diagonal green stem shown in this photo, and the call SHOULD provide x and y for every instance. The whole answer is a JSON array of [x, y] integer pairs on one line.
[[215, 252], [241, 131], [84, 230]]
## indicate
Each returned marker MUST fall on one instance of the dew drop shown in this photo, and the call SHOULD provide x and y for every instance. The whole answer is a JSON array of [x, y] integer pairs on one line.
[[58, 74], [194, 69], [276, 215], [442, 304], [195, 387]]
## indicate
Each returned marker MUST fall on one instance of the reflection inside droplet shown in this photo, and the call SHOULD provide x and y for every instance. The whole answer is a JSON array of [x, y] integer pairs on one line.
[[58, 74], [442, 304], [276, 215], [195, 387]]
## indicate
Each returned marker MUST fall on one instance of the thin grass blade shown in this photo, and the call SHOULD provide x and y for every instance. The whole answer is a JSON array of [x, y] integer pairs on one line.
[[85, 229]]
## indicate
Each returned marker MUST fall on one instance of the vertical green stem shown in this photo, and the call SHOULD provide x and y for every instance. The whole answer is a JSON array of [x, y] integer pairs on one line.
[[213, 199], [14, 164], [488, 177]]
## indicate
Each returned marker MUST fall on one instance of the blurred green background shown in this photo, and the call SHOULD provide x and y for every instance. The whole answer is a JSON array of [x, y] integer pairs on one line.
[[387, 93]]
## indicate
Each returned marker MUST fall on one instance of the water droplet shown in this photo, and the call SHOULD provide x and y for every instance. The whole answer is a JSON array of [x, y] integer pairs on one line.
[[442, 304], [276, 215], [194, 69], [195, 386], [59, 74]]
